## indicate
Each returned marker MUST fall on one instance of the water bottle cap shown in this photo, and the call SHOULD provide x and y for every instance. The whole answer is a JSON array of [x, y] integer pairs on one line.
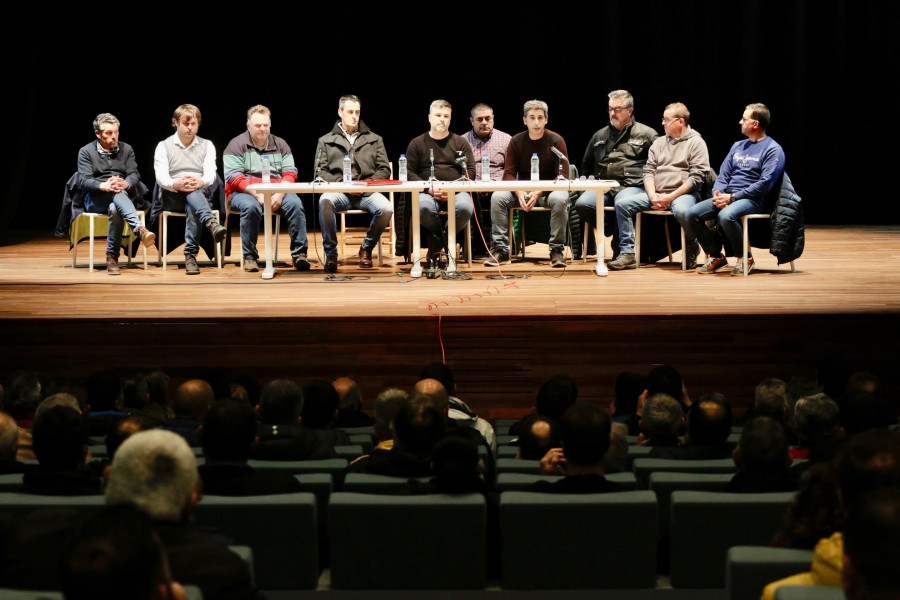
[[534, 154], [402, 156]]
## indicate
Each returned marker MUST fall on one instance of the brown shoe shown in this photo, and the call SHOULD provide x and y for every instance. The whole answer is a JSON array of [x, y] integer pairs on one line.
[[112, 265], [147, 236], [218, 232], [365, 258]]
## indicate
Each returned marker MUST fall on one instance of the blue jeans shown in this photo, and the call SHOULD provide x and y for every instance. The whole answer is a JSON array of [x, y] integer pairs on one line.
[[120, 209], [376, 204], [729, 219], [252, 214], [196, 208], [628, 205], [501, 202], [431, 220]]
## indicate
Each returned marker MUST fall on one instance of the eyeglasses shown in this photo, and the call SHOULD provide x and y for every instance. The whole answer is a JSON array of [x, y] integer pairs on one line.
[[667, 120], [617, 109], [746, 120]]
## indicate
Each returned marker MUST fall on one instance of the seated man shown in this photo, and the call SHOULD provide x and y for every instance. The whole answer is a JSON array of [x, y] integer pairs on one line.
[[60, 443], [708, 427], [244, 162], [9, 445], [109, 178], [192, 400], [540, 141], [281, 436], [584, 432], [762, 459], [662, 420], [185, 166], [443, 156], [871, 551], [676, 167], [538, 435], [369, 160], [748, 175]]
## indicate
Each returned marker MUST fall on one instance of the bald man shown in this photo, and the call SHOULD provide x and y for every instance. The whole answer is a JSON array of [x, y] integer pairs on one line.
[[192, 401], [9, 445], [350, 412]]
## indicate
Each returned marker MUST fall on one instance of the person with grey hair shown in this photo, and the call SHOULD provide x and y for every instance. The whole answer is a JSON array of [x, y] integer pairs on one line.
[[350, 400], [351, 137], [818, 427], [436, 156], [156, 472], [386, 404], [662, 420], [750, 173], [618, 152], [110, 183], [540, 141]]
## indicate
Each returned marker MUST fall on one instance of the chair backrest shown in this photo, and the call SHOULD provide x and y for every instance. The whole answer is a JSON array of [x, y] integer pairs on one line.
[[644, 466], [333, 466], [635, 452], [585, 541], [809, 592], [663, 483], [516, 465], [17, 506], [370, 483], [522, 482], [320, 485], [363, 439], [280, 529], [349, 452], [407, 542], [704, 525], [507, 451], [751, 568]]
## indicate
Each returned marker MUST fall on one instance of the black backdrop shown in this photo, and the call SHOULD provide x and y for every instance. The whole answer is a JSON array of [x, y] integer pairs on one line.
[[827, 69]]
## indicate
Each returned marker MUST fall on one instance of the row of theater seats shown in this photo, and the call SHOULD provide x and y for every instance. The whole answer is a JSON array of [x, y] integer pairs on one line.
[[546, 541]]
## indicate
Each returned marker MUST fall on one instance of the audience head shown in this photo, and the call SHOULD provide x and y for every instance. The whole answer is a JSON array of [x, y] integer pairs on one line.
[[156, 471], [537, 435], [349, 396], [386, 404], [799, 387], [228, 431], [556, 395], [665, 379], [861, 410], [616, 457], [418, 424], [152, 387], [437, 391], [280, 403], [455, 464], [864, 381], [24, 393], [816, 420], [870, 460], [709, 421], [120, 432], [115, 555], [55, 400], [771, 399], [9, 437], [104, 391], [60, 438], [193, 398], [872, 546], [629, 387], [320, 405], [662, 417], [763, 447], [441, 372], [584, 430]]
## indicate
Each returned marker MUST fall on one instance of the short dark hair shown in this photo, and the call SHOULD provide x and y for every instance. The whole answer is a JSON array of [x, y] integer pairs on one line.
[[455, 463], [60, 435], [122, 430], [441, 372], [229, 430], [764, 446], [665, 379], [709, 420], [760, 112], [872, 541], [532, 447], [585, 429], [629, 387], [418, 424], [870, 460], [556, 395], [770, 399], [320, 402], [861, 410], [280, 402], [816, 420], [116, 554]]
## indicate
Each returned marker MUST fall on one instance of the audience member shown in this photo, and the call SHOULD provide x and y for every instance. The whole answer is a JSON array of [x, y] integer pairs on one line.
[[386, 404], [9, 445], [872, 547], [665, 379], [538, 435], [23, 396], [708, 428], [616, 457], [762, 459], [584, 432], [553, 398], [319, 413], [150, 399], [661, 421], [818, 428], [629, 389], [192, 400], [459, 411], [861, 410], [281, 436], [104, 400], [60, 444], [350, 402]]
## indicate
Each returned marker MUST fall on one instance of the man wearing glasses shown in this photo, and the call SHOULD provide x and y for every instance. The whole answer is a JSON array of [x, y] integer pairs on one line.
[[673, 175], [617, 152], [749, 173]]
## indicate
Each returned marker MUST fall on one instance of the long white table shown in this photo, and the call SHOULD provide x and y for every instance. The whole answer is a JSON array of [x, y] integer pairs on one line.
[[267, 189], [601, 186]]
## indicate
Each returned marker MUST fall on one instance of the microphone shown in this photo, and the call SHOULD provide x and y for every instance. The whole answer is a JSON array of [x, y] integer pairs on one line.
[[321, 159], [558, 154], [431, 158]]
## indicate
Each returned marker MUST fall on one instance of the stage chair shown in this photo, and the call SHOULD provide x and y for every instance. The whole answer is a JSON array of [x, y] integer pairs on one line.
[[276, 229], [407, 542], [748, 569], [637, 236], [643, 467], [280, 529], [512, 232], [164, 237], [91, 218], [599, 239], [468, 240], [389, 229], [522, 482], [704, 525], [745, 222], [585, 541]]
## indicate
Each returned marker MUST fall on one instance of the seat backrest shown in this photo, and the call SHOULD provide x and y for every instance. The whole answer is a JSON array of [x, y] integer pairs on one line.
[[334, 466], [522, 482], [644, 466], [407, 542], [584, 541], [704, 525], [663, 483], [280, 529], [369, 483], [751, 568], [516, 465]]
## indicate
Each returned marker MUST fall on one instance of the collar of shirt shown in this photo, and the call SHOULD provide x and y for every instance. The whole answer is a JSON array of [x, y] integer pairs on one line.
[[104, 151], [177, 141], [351, 137]]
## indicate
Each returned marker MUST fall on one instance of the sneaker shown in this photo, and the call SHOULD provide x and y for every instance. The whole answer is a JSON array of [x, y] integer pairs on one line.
[[738, 270], [331, 263], [190, 265], [218, 232], [147, 236], [499, 256], [557, 259], [626, 260], [112, 265], [713, 264], [690, 256], [250, 265], [365, 258], [300, 262]]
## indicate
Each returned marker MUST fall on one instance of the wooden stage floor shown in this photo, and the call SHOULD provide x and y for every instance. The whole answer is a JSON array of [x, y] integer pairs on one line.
[[501, 336]]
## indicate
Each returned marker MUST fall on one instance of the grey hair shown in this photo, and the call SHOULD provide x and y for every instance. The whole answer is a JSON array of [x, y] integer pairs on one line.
[[438, 104], [154, 470], [535, 105], [662, 415], [57, 400], [623, 94], [348, 98], [816, 418], [386, 404], [104, 118]]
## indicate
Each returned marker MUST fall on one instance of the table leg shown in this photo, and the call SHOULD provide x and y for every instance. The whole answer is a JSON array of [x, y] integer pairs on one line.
[[451, 231], [416, 270], [269, 271], [600, 269]]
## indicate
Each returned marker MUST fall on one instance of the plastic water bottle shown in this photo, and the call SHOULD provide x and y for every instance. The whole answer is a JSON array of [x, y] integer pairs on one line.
[[535, 171], [266, 170], [402, 167], [485, 168], [348, 169]]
